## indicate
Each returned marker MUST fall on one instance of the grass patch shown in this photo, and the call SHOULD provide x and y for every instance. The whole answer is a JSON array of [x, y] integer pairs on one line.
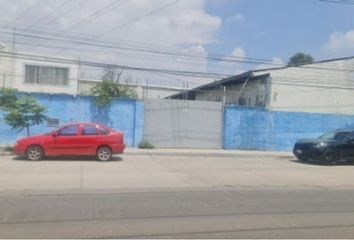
[[146, 145], [8, 149]]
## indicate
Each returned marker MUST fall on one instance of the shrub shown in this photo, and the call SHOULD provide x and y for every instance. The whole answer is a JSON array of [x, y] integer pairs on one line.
[[146, 145]]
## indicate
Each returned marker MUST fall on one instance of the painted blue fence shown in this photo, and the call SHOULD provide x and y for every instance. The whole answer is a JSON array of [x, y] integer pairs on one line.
[[122, 115], [259, 129], [244, 128]]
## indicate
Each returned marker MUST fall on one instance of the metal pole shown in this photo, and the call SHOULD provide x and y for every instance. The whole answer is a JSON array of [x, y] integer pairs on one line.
[[187, 91], [223, 95], [14, 39], [78, 77], [3, 79]]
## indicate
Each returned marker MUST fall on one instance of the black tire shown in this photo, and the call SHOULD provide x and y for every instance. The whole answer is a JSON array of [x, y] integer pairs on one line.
[[330, 157], [34, 153], [104, 154], [303, 159]]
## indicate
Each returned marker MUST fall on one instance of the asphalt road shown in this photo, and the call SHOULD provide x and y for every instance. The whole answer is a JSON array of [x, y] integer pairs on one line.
[[176, 196], [198, 213]]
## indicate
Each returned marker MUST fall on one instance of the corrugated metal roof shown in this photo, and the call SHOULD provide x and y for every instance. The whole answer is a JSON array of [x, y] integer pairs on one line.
[[241, 78]]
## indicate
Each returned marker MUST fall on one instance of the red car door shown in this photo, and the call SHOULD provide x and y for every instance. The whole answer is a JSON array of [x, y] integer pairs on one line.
[[87, 140], [64, 141]]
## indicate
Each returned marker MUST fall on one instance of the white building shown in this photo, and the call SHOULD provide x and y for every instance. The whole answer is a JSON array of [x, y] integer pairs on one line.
[[322, 87], [30, 72]]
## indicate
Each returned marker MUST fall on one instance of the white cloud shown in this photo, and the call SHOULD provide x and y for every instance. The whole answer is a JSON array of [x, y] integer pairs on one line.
[[239, 53], [340, 44], [233, 63], [236, 18], [182, 28], [276, 62]]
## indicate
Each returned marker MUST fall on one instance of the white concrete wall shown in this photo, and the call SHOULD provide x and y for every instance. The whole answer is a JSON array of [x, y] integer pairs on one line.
[[310, 89], [143, 92], [12, 74]]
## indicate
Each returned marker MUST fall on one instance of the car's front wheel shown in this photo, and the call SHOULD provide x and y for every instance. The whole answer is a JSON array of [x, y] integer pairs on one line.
[[34, 153], [104, 154], [330, 157]]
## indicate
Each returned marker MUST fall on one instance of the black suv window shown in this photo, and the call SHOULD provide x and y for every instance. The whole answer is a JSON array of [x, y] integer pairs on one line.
[[68, 131], [90, 130], [341, 136]]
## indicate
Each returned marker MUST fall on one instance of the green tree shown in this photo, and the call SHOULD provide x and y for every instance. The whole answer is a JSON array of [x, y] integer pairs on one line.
[[21, 112], [8, 98], [110, 88], [300, 59]]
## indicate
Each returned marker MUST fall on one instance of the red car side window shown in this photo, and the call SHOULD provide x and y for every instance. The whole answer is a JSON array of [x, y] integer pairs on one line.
[[90, 130], [104, 131], [68, 131]]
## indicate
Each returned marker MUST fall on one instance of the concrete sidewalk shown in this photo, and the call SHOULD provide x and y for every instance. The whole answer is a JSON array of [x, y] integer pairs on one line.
[[4, 151], [204, 153]]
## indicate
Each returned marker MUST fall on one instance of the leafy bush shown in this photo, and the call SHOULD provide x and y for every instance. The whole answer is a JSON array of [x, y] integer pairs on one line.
[[110, 88], [146, 145]]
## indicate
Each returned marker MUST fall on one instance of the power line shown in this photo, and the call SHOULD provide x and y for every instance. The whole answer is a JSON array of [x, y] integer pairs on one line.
[[154, 58], [135, 19], [139, 18], [107, 8], [93, 44], [224, 59], [70, 35], [50, 13], [80, 4], [344, 2], [105, 65], [323, 68], [191, 56], [78, 42], [23, 13], [99, 12]]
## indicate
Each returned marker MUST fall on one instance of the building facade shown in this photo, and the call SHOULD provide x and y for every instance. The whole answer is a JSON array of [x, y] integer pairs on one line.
[[28, 72], [321, 87]]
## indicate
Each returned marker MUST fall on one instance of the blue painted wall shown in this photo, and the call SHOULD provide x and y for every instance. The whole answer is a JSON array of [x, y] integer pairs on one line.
[[250, 128], [122, 115]]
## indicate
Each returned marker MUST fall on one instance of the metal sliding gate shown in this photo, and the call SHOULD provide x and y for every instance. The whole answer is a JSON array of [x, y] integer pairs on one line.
[[183, 124]]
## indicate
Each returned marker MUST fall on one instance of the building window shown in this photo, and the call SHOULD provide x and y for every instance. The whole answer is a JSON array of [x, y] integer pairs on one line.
[[46, 75]]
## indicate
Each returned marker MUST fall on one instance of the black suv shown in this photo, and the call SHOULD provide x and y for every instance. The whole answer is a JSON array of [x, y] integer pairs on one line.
[[329, 148]]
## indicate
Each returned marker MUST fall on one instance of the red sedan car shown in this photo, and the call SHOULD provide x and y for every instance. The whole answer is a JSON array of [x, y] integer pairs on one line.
[[88, 139]]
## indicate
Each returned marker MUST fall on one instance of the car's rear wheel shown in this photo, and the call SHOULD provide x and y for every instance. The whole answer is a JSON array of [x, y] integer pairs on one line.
[[330, 157], [104, 154], [303, 159], [34, 153]]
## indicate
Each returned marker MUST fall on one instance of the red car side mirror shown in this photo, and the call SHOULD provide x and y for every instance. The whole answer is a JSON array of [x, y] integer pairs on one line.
[[54, 134]]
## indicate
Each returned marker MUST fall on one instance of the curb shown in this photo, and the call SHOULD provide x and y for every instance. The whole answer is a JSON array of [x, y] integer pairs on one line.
[[225, 154], [210, 154]]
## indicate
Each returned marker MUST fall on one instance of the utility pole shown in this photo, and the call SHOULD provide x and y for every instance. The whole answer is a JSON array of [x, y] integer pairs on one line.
[[223, 95], [14, 39], [3, 79], [78, 90], [146, 88], [187, 90]]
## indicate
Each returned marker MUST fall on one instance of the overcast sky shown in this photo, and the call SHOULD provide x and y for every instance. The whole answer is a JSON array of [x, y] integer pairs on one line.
[[267, 29]]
